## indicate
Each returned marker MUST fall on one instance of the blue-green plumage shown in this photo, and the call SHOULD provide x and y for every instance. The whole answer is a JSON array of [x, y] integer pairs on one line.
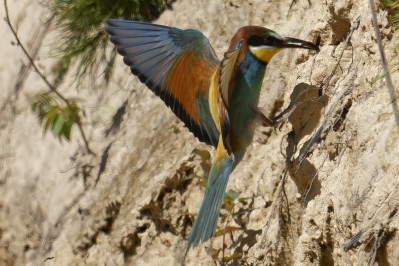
[[245, 88], [217, 100], [207, 122]]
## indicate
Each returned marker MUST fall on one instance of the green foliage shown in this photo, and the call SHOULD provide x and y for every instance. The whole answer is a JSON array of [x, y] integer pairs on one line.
[[40, 103], [228, 201], [231, 195], [393, 15], [393, 8], [203, 180], [83, 39], [189, 177], [174, 129], [205, 157], [233, 256], [226, 230], [56, 118], [204, 154]]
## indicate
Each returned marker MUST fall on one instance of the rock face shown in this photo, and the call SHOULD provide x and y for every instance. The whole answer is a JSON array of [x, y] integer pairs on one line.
[[133, 203]]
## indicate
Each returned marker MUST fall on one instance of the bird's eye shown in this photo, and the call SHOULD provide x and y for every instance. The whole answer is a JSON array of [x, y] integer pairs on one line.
[[268, 39]]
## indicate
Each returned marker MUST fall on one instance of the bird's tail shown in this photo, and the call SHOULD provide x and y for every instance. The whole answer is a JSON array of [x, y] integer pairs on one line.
[[205, 224]]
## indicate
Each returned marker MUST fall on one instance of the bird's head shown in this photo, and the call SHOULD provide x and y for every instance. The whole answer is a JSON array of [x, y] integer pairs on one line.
[[264, 43]]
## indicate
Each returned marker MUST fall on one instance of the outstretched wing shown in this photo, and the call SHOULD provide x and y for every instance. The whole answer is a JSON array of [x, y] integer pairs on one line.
[[177, 65]]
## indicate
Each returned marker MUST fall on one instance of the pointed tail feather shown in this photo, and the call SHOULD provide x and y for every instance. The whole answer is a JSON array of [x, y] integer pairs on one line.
[[205, 224]]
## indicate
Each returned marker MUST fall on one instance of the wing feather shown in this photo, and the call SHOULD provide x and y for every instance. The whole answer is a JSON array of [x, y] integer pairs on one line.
[[227, 70], [175, 64]]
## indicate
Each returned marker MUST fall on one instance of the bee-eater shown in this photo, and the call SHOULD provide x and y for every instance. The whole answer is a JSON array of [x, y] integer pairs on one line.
[[216, 99]]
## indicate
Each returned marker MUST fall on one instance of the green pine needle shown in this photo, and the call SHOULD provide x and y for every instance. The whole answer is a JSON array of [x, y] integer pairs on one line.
[[84, 41]]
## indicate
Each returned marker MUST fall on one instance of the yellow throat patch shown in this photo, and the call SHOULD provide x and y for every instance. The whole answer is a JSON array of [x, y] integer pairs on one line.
[[262, 53]]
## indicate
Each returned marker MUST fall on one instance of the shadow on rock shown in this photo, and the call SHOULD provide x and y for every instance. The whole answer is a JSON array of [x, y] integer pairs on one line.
[[304, 122]]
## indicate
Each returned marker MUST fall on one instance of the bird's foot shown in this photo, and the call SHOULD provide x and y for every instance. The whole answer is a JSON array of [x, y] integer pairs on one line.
[[267, 122]]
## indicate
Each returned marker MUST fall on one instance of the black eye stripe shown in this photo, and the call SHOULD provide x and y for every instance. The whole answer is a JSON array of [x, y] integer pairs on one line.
[[256, 40], [268, 39]]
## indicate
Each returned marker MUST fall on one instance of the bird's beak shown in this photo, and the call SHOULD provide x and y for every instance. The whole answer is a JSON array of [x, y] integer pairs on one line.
[[296, 43]]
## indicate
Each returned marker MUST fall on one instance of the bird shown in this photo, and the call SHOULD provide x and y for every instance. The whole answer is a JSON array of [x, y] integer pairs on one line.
[[217, 99]]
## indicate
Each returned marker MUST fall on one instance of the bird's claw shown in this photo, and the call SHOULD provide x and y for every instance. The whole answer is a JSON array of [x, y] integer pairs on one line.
[[267, 122]]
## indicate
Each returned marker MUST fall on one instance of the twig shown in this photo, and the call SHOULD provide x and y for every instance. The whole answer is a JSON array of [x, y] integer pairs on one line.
[[292, 4], [377, 244], [310, 184], [348, 37], [43, 77], [353, 241], [365, 232], [273, 206], [69, 207], [339, 96], [49, 258], [384, 64], [36, 44], [320, 130], [224, 234], [289, 9]]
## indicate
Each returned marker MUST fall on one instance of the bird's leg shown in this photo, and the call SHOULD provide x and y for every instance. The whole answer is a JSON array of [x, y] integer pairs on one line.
[[286, 113], [267, 122]]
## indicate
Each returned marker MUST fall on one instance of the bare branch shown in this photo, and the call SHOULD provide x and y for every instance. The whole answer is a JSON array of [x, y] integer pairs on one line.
[[384, 64], [43, 77], [355, 25], [353, 241], [273, 207], [377, 244]]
